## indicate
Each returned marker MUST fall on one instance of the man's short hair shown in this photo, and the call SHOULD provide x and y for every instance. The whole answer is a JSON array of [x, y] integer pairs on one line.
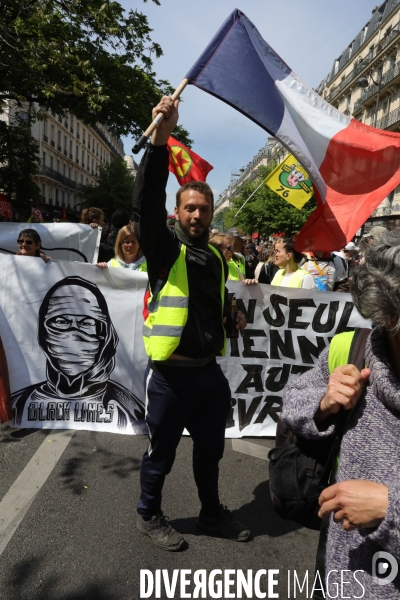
[[198, 186]]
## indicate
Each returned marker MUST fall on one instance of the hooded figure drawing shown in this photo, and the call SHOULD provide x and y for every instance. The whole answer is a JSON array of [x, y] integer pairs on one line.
[[79, 341]]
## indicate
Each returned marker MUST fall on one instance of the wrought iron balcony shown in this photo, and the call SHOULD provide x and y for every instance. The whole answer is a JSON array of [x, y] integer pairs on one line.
[[55, 175], [370, 91], [360, 66], [390, 119]]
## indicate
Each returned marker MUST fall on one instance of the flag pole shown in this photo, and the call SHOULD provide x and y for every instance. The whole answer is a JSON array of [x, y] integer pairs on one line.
[[251, 195], [140, 144]]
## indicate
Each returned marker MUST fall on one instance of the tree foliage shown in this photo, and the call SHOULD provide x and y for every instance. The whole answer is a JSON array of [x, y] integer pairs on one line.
[[86, 57], [266, 212], [222, 219], [18, 162], [112, 188]]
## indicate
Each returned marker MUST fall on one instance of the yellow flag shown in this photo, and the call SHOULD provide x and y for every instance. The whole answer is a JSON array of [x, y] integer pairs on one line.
[[291, 182]]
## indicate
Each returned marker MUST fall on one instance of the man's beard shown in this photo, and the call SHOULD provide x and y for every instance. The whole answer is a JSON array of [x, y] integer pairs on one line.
[[194, 236]]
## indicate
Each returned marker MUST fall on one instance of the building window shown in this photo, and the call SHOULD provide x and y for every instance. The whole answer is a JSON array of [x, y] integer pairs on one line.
[[83, 158], [51, 162], [78, 127], [58, 166], [89, 141], [57, 200], [70, 148], [72, 125], [84, 136], [64, 169], [44, 192], [77, 154], [53, 136], [69, 172], [44, 159], [24, 116]]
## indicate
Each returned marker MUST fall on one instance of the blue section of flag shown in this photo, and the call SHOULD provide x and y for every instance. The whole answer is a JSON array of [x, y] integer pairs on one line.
[[240, 68]]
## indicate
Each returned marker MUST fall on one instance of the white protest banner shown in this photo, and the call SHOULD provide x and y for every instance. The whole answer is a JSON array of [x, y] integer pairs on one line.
[[287, 329], [72, 338], [62, 241]]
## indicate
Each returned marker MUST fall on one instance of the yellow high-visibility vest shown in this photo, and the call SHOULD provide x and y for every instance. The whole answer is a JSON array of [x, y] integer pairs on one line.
[[294, 281], [115, 263], [234, 272], [168, 315]]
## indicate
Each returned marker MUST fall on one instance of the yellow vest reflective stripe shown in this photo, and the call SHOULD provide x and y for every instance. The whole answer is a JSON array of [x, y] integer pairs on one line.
[[115, 263], [240, 262], [234, 273], [294, 281], [168, 315]]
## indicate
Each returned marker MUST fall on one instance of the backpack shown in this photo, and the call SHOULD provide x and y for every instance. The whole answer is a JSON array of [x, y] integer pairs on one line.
[[299, 468]]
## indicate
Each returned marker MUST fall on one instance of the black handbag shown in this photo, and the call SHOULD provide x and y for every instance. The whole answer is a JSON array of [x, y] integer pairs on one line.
[[299, 468]]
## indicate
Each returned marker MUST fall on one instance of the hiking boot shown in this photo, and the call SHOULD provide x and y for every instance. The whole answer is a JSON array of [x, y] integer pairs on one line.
[[160, 532], [225, 524]]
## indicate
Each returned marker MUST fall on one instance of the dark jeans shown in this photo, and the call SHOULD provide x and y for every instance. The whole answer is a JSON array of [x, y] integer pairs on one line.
[[199, 401]]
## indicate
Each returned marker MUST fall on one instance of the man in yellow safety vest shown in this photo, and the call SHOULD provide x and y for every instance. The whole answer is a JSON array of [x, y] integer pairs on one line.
[[183, 333]]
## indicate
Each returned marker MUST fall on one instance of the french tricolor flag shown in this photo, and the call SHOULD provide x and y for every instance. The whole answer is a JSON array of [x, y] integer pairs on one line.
[[353, 167]]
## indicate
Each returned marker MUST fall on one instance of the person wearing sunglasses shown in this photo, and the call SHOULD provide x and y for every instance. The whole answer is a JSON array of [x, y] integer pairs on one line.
[[225, 244], [128, 254], [29, 244]]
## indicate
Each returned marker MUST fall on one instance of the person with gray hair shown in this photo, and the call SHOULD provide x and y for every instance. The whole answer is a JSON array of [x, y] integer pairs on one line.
[[363, 506]]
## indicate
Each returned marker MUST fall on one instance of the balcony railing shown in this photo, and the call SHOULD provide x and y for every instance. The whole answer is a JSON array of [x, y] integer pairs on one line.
[[388, 120], [370, 91], [360, 66], [52, 174]]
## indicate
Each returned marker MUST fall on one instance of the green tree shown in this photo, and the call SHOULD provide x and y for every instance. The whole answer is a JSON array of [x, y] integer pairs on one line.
[[112, 188], [221, 219], [86, 57], [19, 161], [266, 212]]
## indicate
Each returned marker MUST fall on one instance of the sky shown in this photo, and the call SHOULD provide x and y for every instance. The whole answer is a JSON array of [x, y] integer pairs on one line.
[[307, 34]]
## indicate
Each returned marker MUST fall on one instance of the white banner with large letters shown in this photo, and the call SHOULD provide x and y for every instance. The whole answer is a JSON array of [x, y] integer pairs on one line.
[[287, 329], [61, 241], [72, 334]]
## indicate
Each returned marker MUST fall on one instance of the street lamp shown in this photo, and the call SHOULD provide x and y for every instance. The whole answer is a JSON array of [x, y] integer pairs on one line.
[[364, 83]]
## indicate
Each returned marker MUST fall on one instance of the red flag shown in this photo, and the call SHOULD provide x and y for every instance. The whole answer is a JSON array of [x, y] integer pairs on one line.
[[64, 214], [185, 164], [36, 216]]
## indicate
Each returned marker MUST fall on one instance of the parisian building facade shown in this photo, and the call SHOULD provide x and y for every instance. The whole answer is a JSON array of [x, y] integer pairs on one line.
[[70, 154]]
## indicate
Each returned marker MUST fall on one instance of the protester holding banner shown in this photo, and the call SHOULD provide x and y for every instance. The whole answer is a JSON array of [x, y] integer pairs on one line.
[[128, 254], [29, 244], [182, 334], [290, 274], [95, 218], [364, 503], [266, 269]]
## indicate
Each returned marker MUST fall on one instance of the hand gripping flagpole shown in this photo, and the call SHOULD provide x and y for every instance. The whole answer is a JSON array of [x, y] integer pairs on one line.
[[140, 144]]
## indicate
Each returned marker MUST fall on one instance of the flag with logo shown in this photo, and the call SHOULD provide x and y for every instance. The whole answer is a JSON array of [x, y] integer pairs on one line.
[[291, 182], [37, 215], [185, 164]]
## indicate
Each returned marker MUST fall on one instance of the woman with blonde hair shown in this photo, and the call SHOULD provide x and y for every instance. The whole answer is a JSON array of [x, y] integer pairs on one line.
[[128, 254]]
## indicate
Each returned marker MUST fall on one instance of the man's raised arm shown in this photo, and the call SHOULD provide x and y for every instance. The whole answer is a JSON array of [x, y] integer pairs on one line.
[[149, 194]]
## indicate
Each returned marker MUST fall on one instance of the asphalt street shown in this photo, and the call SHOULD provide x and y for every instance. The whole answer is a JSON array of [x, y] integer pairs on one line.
[[77, 538]]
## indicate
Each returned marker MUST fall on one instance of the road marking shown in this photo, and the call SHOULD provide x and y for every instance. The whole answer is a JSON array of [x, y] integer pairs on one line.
[[22, 493], [249, 448]]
